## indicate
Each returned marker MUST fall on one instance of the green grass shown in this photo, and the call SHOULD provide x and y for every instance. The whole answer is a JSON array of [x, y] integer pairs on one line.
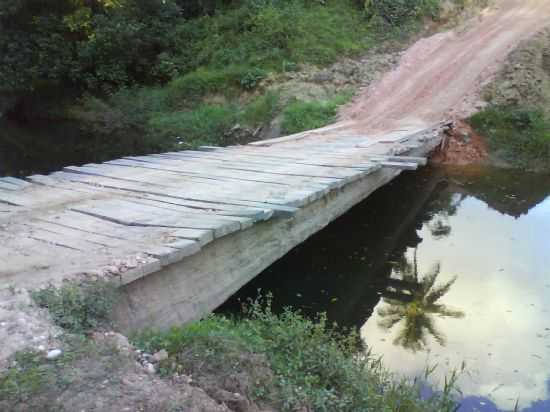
[[202, 126], [77, 307], [521, 136], [33, 374], [312, 364], [203, 81], [261, 110], [299, 116]]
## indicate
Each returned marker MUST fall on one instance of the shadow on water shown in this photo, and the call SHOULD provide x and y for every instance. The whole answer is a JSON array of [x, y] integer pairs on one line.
[[47, 146], [442, 266]]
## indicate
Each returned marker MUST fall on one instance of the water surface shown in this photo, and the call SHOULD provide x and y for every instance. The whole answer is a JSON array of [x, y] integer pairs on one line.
[[441, 268]]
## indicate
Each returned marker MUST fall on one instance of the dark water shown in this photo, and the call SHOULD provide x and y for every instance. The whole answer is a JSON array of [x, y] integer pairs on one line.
[[43, 147], [438, 268]]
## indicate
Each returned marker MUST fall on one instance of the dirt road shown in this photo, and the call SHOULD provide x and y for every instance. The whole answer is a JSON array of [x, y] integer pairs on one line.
[[440, 77]]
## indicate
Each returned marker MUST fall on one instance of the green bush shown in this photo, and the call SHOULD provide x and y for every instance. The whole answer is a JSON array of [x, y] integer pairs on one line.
[[99, 47], [205, 125], [314, 365], [299, 116], [398, 12], [521, 135], [203, 81], [251, 78], [77, 307], [261, 110]]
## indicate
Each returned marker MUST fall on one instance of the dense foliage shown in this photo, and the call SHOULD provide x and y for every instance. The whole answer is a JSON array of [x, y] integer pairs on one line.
[[94, 44]]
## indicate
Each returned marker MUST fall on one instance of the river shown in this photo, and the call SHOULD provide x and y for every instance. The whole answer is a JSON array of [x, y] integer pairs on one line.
[[441, 268]]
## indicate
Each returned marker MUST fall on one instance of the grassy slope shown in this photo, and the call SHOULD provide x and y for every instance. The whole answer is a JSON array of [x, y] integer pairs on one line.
[[228, 56], [282, 361], [517, 135], [312, 365]]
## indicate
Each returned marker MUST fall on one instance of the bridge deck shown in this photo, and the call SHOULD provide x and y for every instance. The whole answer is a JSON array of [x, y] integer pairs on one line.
[[132, 216]]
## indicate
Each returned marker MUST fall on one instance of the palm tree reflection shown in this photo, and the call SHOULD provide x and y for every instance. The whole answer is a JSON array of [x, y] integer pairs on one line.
[[413, 303]]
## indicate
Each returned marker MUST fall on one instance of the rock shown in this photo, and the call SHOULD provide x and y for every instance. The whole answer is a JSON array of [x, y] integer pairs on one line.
[[150, 368], [54, 354], [160, 355], [322, 77]]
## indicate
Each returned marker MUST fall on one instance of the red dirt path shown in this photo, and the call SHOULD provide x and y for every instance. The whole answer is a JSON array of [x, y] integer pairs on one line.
[[440, 77]]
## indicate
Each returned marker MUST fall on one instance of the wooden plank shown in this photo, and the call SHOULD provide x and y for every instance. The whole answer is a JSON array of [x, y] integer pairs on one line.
[[321, 168], [8, 186], [195, 167], [173, 251], [280, 209], [95, 225], [255, 213], [245, 223], [399, 165], [131, 214], [254, 193], [19, 183]]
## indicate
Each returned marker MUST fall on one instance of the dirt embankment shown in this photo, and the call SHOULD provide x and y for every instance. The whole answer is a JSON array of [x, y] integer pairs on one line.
[[524, 80], [442, 77]]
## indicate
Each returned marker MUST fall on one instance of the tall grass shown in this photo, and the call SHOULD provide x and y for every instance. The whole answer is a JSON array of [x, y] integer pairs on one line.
[[299, 116], [314, 366]]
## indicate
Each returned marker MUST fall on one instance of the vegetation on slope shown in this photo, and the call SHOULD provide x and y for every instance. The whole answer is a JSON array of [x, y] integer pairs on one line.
[[519, 136], [146, 68], [517, 123], [277, 361], [313, 366]]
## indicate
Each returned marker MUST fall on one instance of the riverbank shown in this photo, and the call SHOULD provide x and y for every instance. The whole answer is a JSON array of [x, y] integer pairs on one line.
[[259, 362], [515, 124]]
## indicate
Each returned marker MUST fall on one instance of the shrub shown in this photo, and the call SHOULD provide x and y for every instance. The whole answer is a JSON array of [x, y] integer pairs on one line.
[[203, 81], [251, 78], [398, 12], [77, 307], [261, 110], [300, 116], [205, 125]]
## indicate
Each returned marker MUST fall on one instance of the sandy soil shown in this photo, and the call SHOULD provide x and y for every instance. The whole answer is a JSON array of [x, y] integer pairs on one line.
[[441, 77]]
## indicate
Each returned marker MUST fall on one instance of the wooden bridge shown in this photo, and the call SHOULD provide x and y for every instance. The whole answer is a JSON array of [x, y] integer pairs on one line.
[[180, 232]]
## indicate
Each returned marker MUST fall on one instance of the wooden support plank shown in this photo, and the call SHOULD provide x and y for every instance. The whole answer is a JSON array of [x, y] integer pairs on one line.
[[399, 165]]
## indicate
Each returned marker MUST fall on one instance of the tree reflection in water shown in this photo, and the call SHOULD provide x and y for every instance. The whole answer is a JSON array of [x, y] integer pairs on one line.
[[413, 303]]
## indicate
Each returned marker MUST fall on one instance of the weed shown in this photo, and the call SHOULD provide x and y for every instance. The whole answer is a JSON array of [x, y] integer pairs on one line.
[[211, 80], [313, 365], [299, 116], [77, 307], [205, 125], [261, 110]]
